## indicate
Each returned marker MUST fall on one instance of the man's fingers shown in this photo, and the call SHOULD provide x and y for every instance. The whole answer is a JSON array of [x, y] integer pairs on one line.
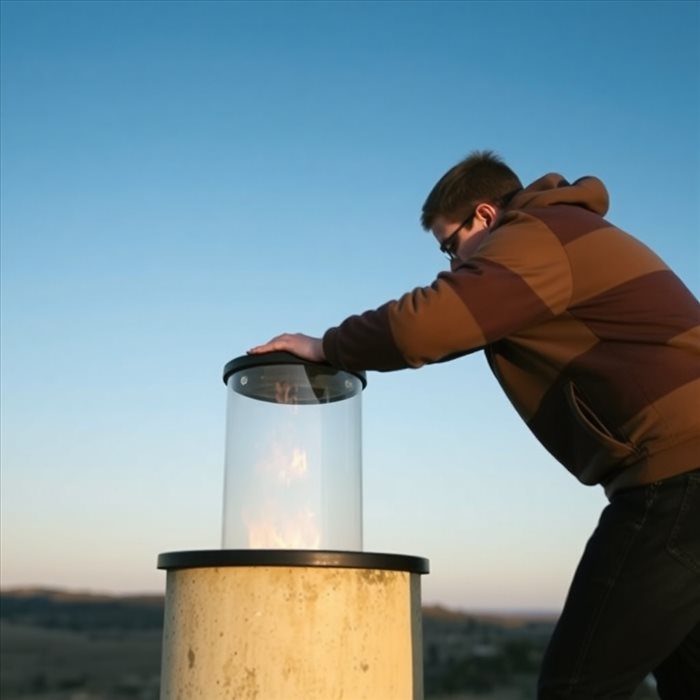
[[279, 342], [304, 346]]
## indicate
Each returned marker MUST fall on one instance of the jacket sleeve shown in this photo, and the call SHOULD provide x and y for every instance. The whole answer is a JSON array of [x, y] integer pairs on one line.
[[518, 277]]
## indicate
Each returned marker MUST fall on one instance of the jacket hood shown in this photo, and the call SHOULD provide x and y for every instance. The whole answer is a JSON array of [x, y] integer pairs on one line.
[[588, 192]]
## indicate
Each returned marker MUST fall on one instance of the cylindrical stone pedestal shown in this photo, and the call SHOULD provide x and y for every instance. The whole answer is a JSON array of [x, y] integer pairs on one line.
[[292, 624]]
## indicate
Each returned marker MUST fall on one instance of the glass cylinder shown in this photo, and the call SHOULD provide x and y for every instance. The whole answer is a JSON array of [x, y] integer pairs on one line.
[[293, 467]]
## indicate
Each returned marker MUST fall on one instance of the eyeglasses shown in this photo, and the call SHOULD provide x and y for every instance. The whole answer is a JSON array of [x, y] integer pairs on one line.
[[449, 245]]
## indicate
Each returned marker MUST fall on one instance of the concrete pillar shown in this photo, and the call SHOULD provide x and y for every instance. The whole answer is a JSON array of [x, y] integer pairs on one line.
[[292, 624]]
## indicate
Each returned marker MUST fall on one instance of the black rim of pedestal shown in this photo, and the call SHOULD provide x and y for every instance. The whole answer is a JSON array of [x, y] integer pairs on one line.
[[213, 558]]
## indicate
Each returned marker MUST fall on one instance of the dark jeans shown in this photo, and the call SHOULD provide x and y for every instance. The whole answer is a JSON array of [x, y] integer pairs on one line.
[[634, 603]]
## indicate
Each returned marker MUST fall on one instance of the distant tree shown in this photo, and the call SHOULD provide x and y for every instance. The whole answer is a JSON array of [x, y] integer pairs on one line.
[[38, 683], [521, 656], [476, 674]]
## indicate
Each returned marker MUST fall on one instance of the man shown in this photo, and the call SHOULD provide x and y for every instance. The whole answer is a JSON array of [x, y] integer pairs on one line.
[[597, 344]]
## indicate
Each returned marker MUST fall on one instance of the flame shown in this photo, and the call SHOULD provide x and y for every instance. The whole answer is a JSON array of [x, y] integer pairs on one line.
[[297, 532], [276, 527], [297, 467], [283, 467]]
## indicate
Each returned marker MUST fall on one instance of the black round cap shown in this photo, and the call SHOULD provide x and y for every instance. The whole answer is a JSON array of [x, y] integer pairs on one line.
[[280, 377]]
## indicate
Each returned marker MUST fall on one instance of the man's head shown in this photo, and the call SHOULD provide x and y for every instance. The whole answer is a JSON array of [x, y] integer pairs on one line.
[[466, 202]]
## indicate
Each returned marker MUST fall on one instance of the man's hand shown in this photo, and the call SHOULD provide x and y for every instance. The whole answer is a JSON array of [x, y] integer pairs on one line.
[[304, 346]]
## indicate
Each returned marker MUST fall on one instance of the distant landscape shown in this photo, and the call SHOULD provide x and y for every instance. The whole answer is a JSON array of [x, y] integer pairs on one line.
[[59, 645]]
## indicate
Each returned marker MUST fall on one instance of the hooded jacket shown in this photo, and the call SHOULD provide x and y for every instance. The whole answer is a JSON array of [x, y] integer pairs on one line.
[[595, 341]]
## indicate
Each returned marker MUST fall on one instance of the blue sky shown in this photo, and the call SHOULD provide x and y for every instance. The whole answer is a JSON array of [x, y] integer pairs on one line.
[[181, 181]]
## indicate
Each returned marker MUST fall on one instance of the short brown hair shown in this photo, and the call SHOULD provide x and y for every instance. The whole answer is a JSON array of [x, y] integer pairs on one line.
[[481, 177]]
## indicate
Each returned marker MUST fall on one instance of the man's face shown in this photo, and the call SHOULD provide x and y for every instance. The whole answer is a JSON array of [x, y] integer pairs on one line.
[[459, 239]]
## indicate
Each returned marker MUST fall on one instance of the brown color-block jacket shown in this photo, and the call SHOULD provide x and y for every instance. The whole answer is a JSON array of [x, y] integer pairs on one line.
[[593, 338]]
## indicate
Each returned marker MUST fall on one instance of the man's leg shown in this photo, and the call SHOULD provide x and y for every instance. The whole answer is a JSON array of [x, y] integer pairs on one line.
[[634, 598], [678, 676]]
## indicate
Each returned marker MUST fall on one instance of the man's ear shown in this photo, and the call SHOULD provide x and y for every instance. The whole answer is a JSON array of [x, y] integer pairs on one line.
[[486, 212]]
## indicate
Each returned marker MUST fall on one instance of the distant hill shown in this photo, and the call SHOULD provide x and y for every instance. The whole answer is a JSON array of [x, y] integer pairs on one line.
[[505, 618], [50, 608], [77, 610], [63, 595]]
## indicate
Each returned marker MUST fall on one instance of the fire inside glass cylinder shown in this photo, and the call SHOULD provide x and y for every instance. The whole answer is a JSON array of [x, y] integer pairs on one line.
[[293, 477]]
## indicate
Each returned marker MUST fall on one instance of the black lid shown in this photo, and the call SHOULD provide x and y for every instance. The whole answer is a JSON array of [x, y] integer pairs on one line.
[[308, 382], [280, 358]]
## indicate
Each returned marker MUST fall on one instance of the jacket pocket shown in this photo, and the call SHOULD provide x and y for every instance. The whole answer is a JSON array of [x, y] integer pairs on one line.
[[598, 453]]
